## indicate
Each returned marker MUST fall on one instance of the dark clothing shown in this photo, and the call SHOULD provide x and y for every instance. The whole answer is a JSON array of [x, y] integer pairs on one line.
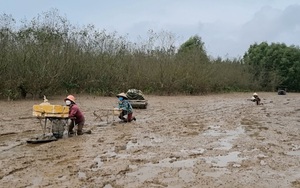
[[257, 100], [129, 116], [79, 127], [77, 118]]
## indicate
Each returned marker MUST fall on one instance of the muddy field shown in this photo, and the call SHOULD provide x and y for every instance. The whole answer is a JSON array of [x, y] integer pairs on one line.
[[183, 141]]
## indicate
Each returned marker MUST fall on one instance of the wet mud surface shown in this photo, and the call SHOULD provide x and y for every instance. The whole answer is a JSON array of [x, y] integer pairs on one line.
[[179, 141]]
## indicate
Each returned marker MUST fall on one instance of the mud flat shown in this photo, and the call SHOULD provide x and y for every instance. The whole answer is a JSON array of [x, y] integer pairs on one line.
[[179, 141]]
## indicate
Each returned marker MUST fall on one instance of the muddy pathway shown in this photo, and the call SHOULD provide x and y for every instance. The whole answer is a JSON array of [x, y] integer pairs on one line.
[[179, 141]]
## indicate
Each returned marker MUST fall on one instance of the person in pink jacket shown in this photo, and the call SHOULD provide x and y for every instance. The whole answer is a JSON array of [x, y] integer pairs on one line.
[[76, 116]]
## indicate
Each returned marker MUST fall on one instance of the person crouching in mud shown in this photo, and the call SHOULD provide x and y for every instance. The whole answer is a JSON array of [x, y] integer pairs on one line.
[[256, 99], [126, 108], [75, 115]]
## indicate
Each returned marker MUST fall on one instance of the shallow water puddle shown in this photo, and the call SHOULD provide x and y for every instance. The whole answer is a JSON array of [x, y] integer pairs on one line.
[[224, 143], [187, 175], [37, 181], [98, 163], [144, 173], [294, 153], [10, 142], [213, 131], [151, 170], [222, 161], [131, 144], [112, 154], [81, 175]]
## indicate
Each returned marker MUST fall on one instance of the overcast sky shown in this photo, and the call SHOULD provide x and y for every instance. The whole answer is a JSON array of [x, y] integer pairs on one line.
[[227, 27]]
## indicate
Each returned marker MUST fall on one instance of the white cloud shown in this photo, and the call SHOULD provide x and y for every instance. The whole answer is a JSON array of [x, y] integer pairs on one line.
[[227, 27]]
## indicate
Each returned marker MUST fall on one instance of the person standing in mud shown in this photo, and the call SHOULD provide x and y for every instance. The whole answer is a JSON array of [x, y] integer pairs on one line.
[[256, 99], [75, 115], [126, 108]]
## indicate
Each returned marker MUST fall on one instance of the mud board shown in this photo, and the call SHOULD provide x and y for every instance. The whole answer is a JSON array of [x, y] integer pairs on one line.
[[142, 104], [41, 140]]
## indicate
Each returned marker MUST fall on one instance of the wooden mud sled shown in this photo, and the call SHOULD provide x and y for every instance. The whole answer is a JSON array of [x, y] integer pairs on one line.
[[53, 119]]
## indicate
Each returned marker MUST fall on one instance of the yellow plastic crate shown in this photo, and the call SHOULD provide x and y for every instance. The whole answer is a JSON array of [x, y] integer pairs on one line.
[[50, 111]]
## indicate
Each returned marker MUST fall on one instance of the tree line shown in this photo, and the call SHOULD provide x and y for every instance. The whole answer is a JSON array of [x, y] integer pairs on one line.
[[48, 55]]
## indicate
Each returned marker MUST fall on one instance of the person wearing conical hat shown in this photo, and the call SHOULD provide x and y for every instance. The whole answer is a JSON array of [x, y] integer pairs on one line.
[[76, 116], [126, 108]]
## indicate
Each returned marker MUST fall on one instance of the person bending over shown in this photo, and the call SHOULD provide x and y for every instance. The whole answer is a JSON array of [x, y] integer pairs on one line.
[[126, 108], [76, 116]]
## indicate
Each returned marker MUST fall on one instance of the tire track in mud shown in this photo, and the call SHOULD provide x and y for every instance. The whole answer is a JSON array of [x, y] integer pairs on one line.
[[13, 171]]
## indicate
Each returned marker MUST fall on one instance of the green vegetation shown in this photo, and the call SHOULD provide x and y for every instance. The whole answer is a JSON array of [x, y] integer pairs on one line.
[[274, 65], [48, 55]]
